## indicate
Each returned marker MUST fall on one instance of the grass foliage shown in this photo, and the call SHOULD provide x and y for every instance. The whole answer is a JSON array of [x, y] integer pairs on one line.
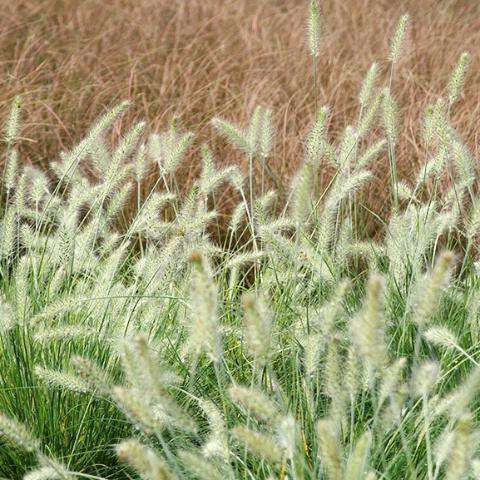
[[292, 348]]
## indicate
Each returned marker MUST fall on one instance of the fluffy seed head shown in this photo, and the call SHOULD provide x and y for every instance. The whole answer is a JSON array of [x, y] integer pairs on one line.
[[358, 459], [368, 328], [287, 436], [430, 289], [425, 377], [51, 471], [233, 134], [203, 331], [254, 401], [392, 379], [257, 326], [62, 380], [12, 127], [18, 434], [216, 445], [441, 336], [266, 134], [314, 29], [368, 85], [457, 79], [203, 469], [389, 111], [330, 450], [144, 460], [461, 450], [11, 168], [259, 444], [398, 40]]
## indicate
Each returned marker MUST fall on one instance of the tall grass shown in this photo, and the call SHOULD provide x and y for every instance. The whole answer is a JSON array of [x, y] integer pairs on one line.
[[72, 60], [294, 348]]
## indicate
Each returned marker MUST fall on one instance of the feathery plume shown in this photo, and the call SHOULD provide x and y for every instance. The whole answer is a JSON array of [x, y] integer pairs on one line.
[[430, 288], [51, 471], [18, 434], [203, 469], [441, 336], [461, 449], [368, 328], [233, 134], [62, 380], [314, 29], [12, 127], [254, 129], [141, 162], [259, 444], [457, 79], [398, 39], [202, 326], [237, 216], [304, 181], [368, 117], [70, 160], [7, 320], [330, 450], [168, 149], [286, 434], [368, 85], [257, 327], [144, 460], [266, 134], [65, 332], [425, 377], [391, 380], [91, 375], [11, 169], [254, 401], [390, 114], [371, 154], [216, 445], [357, 462]]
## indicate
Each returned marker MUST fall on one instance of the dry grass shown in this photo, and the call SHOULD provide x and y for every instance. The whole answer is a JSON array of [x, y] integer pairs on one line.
[[195, 59]]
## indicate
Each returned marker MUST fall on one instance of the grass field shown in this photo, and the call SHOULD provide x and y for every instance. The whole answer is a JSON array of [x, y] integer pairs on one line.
[[274, 276], [73, 59]]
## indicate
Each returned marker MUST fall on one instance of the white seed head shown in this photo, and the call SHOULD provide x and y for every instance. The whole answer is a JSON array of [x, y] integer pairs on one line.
[[254, 401], [330, 449], [12, 127], [457, 79], [61, 380], [257, 326], [368, 328], [51, 471], [357, 462], [203, 328], [368, 85], [425, 377], [233, 134], [286, 433], [259, 444], [441, 336], [462, 448], [390, 116], [314, 29], [144, 460], [430, 289], [398, 41], [18, 434], [202, 468]]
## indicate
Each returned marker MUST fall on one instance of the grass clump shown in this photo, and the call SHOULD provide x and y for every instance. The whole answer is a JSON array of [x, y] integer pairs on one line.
[[293, 348]]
